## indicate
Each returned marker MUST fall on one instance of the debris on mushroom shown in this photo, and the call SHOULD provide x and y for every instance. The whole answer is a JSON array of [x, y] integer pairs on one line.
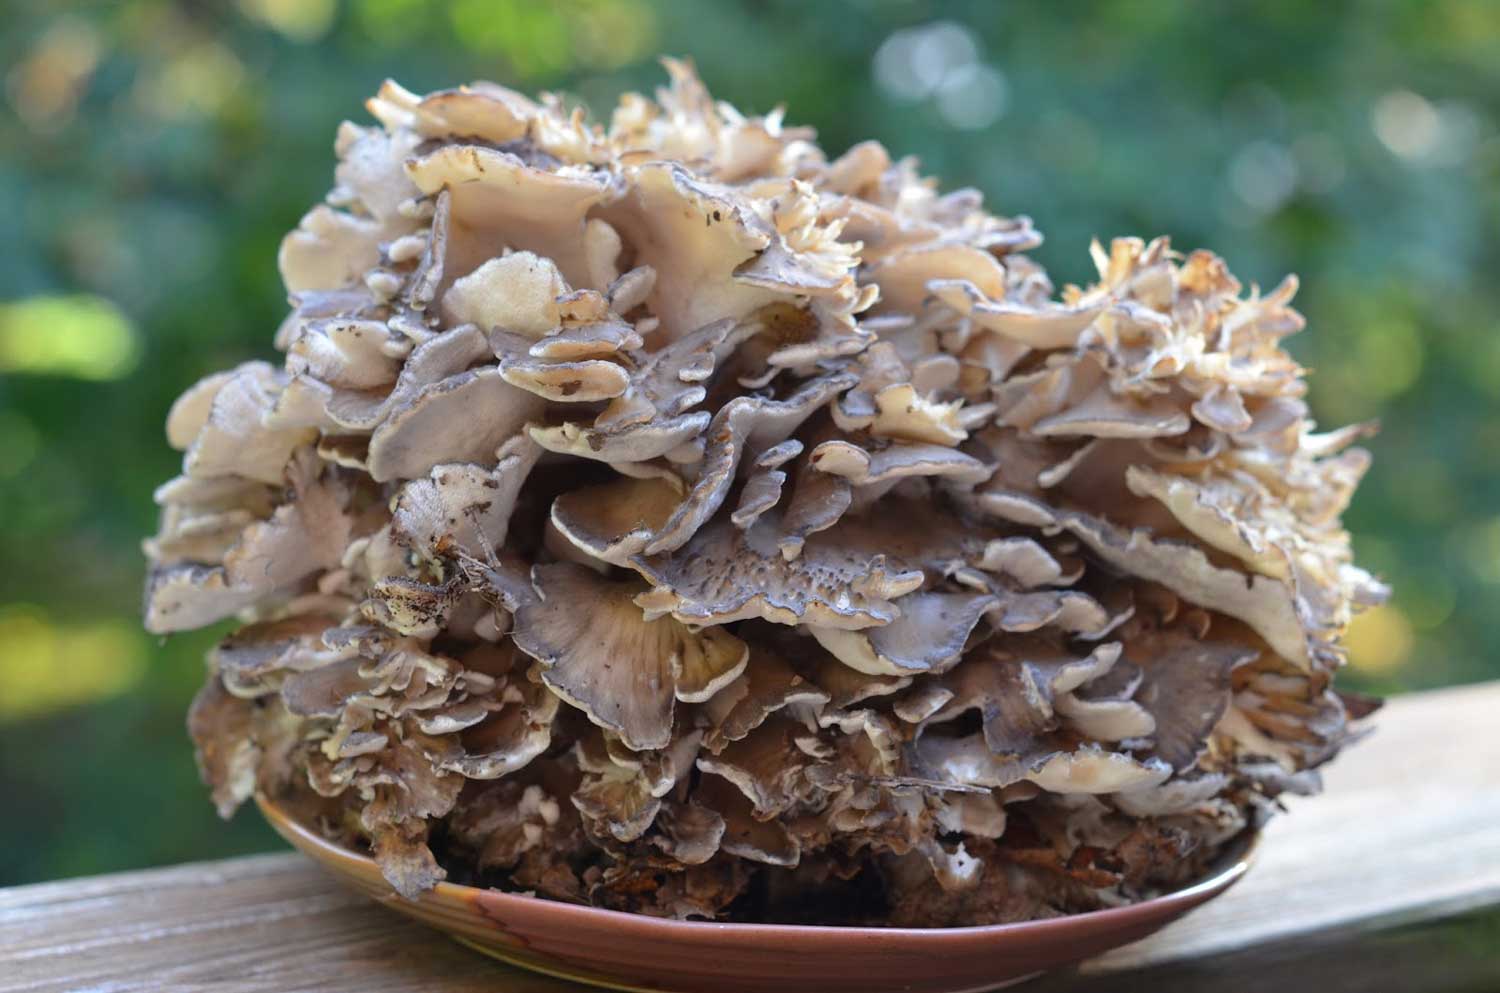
[[666, 517]]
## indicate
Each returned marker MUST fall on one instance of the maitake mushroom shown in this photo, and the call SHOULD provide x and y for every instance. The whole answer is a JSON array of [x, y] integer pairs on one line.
[[666, 517]]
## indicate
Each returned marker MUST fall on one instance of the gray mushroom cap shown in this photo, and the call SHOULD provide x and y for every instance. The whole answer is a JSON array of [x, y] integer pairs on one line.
[[623, 670]]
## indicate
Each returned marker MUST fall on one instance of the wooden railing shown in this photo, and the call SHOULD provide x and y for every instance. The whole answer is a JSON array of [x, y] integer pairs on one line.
[[1389, 881]]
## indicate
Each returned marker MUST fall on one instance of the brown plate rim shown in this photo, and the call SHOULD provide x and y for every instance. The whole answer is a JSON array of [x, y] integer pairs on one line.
[[1229, 869]]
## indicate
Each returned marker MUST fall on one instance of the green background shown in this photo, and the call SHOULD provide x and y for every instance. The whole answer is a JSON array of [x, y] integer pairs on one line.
[[152, 155]]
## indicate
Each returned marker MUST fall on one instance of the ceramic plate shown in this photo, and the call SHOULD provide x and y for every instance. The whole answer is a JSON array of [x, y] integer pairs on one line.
[[634, 952]]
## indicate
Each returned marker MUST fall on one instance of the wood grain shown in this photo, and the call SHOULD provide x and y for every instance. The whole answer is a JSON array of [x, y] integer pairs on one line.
[[1390, 880]]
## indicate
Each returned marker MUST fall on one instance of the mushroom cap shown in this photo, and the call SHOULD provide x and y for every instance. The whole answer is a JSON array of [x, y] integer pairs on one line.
[[620, 668]]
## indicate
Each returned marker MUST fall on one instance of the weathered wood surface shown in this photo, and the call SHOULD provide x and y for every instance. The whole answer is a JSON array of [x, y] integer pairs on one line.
[[1389, 881]]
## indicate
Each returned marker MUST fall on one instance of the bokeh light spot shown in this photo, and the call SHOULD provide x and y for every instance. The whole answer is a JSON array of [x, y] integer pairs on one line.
[[1406, 123], [913, 63], [83, 337], [1430, 603], [46, 665], [45, 87], [607, 35], [299, 20], [533, 38], [197, 82], [1263, 174], [1389, 357], [1380, 640], [972, 97], [389, 21], [1480, 544]]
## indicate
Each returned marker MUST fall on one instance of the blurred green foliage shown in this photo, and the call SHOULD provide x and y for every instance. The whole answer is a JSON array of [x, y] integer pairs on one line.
[[153, 153]]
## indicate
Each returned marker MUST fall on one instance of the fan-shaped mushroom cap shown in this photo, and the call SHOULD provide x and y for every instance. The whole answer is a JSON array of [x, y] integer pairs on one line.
[[969, 761], [268, 557], [744, 424], [698, 234], [1015, 689], [1263, 603], [1185, 688], [928, 636], [833, 583], [1036, 327], [498, 199], [768, 766], [614, 521], [438, 425], [430, 361], [767, 684], [519, 732], [516, 292], [233, 439], [582, 381], [905, 278], [1093, 770], [464, 506], [610, 661], [329, 249], [483, 110], [688, 832]]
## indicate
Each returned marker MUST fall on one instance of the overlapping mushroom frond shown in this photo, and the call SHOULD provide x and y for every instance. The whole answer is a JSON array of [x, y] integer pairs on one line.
[[644, 510]]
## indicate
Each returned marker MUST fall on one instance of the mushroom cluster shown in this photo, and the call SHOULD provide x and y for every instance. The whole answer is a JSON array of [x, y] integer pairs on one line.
[[665, 517]]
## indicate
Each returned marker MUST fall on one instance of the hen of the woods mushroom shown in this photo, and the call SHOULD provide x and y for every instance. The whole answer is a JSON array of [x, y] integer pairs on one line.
[[666, 517]]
